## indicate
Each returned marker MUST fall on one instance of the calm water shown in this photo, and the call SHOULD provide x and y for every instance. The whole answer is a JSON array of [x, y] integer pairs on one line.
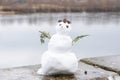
[[20, 44]]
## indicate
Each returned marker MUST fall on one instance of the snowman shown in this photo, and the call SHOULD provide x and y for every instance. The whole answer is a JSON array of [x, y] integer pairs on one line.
[[59, 59]]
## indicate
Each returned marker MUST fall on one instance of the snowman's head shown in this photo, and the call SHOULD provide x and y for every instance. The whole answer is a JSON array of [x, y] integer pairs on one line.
[[63, 26]]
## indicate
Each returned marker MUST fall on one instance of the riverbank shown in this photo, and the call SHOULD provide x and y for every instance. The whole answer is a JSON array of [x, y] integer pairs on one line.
[[33, 6], [102, 68]]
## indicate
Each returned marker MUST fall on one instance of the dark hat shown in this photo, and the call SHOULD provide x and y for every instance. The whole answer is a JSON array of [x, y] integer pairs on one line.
[[65, 21]]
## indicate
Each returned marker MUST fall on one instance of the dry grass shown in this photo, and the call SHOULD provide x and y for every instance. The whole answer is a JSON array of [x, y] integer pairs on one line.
[[7, 12], [23, 6]]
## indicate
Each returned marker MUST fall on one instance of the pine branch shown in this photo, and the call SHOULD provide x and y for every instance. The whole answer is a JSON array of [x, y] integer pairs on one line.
[[78, 38], [43, 36]]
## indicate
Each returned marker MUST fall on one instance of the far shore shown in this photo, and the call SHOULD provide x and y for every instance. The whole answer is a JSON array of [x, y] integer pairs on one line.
[[33, 6]]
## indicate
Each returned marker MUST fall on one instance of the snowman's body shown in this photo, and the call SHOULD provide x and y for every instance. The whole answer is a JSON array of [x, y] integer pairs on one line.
[[59, 59]]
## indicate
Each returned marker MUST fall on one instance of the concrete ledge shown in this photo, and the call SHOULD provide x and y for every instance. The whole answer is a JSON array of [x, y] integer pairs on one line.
[[85, 72], [110, 63]]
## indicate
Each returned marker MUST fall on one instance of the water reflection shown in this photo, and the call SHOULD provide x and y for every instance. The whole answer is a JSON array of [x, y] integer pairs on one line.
[[19, 36], [87, 18]]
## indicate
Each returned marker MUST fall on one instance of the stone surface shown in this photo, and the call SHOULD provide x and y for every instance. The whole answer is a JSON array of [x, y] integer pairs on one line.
[[85, 72], [111, 63]]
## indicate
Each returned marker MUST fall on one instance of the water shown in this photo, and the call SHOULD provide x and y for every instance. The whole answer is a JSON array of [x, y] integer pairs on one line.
[[20, 44]]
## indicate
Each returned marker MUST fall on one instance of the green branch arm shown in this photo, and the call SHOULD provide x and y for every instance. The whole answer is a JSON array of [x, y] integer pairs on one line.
[[78, 38], [43, 36]]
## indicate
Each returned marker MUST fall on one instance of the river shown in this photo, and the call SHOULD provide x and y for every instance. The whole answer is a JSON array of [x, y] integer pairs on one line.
[[20, 38]]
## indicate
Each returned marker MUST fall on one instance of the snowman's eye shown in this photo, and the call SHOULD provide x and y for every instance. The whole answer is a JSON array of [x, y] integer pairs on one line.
[[60, 24], [67, 26]]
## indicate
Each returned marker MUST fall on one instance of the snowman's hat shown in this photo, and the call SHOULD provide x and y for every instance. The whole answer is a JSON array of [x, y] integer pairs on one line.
[[65, 21]]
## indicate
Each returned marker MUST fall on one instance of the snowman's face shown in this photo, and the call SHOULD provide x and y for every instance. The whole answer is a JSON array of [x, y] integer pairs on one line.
[[63, 27]]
